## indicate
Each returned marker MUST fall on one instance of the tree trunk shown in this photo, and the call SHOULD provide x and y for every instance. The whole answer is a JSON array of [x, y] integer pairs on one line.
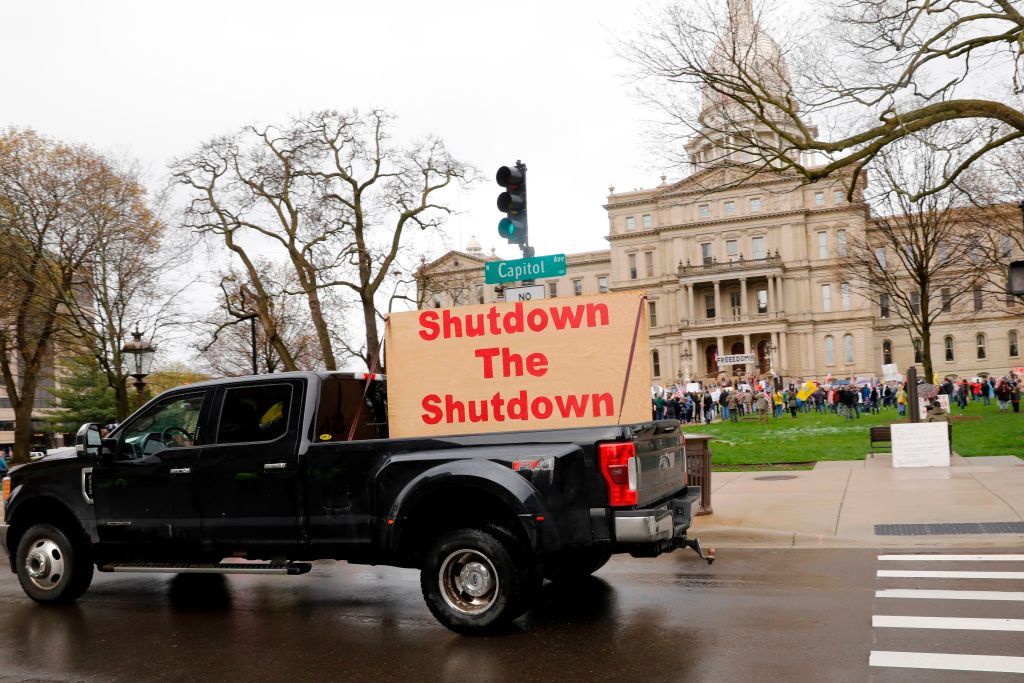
[[926, 354], [23, 429], [372, 339]]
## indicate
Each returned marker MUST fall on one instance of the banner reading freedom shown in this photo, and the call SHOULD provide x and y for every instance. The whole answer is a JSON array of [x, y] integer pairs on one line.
[[517, 366]]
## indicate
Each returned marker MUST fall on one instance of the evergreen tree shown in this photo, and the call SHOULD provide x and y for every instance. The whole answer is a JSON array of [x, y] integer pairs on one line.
[[84, 395]]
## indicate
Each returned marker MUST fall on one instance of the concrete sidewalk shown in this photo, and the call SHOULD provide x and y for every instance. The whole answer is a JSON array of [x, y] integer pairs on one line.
[[838, 504]]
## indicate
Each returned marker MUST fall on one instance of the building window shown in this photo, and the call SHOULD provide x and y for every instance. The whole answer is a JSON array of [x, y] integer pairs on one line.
[[479, 294], [732, 249], [755, 204], [830, 351], [730, 207], [652, 310], [647, 221], [838, 196], [437, 301], [577, 287], [822, 244], [734, 303], [981, 346], [762, 301], [649, 263], [630, 223], [826, 298], [709, 305], [947, 300], [948, 345], [655, 364], [844, 293], [915, 303], [602, 284], [977, 299], [848, 347], [918, 357], [1014, 347], [1006, 246], [553, 289], [883, 306], [880, 257], [943, 252], [632, 266], [705, 253], [976, 253], [703, 210], [757, 245], [841, 242], [819, 199], [887, 352]]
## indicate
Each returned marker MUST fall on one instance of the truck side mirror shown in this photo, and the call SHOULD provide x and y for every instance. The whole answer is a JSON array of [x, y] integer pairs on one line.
[[88, 441]]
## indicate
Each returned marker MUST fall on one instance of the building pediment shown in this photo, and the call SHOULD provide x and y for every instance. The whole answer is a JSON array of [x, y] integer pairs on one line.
[[456, 260]]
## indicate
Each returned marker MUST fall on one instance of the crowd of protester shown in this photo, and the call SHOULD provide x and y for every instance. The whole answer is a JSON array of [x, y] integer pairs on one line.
[[762, 401]]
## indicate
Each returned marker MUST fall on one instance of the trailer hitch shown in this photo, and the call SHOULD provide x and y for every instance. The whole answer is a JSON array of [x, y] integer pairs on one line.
[[708, 555]]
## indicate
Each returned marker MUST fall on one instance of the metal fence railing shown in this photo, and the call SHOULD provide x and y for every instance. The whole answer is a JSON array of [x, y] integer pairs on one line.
[[698, 468]]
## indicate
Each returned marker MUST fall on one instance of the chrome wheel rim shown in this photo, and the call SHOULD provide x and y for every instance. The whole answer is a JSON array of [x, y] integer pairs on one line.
[[44, 564], [469, 583]]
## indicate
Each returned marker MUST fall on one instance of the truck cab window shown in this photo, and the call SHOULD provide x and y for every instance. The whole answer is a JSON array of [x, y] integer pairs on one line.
[[340, 400], [254, 413], [171, 423]]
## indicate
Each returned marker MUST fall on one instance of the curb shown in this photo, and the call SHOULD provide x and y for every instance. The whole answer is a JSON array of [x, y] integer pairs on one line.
[[747, 537]]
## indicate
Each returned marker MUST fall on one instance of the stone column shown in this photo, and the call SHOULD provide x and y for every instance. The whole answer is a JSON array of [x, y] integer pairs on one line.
[[771, 294], [775, 354], [743, 298], [718, 303], [721, 344], [781, 297], [783, 352], [809, 363], [746, 349]]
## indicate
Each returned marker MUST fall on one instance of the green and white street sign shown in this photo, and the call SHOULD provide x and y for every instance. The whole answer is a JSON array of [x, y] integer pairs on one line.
[[552, 265]]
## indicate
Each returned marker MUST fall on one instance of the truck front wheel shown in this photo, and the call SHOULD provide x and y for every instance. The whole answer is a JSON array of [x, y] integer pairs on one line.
[[51, 569], [474, 581]]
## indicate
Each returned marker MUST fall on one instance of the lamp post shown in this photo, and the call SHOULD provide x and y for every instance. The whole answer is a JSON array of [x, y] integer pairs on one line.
[[141, 353], [252, 333]]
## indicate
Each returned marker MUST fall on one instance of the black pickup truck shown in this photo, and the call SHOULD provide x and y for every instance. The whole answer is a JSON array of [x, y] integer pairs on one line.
[[264, 474]]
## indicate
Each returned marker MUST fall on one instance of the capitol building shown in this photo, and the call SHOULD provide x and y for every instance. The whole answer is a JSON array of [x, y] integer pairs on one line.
[[740, 263]]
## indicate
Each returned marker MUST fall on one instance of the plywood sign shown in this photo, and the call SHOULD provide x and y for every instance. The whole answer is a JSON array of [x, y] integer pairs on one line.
[[516, 366], [922, 444]]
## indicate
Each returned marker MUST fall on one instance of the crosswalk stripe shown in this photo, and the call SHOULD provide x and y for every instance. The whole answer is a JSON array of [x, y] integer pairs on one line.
[[952, 558], [911, 574], [954, 662], [953, 623], [949, 595]]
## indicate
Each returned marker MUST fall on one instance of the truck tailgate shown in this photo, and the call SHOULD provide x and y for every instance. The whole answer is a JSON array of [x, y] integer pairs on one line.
[[661, 461]]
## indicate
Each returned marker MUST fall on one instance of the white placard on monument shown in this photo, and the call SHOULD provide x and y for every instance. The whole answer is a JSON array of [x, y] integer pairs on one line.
[[924, 444]]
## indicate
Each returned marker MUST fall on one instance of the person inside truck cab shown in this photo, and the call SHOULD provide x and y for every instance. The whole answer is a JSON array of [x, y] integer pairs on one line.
[[170, 424]]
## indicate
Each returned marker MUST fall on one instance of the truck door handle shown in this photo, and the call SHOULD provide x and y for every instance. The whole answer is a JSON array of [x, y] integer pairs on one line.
[[180, 471], [275, 466]]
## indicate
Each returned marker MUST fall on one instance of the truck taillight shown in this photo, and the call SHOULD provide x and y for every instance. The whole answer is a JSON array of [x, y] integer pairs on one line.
[[7, 488], [686, 464], [618, 466]]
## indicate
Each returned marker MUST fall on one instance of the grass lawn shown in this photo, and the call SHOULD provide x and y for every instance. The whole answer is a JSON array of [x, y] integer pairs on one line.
[[979, 430]]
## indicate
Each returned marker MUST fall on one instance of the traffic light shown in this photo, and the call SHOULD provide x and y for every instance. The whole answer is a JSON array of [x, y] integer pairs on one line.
[[513, 203]]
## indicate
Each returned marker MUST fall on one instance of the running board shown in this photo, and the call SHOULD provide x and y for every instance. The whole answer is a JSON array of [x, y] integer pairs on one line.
[[289, 568]]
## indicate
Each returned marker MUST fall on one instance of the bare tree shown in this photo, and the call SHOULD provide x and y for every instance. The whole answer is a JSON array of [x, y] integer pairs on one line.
[[920, 257], [333, 195], [229, 349], [872, 73]]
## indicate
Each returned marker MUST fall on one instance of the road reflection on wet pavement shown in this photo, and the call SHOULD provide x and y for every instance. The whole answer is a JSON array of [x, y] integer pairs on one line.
[[754, 614]]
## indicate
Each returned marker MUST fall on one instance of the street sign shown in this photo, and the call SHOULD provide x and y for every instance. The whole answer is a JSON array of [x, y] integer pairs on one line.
[[527, 293], [552, 265]]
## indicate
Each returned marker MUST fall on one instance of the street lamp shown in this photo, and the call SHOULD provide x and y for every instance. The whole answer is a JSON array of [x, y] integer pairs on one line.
[[142, 357]]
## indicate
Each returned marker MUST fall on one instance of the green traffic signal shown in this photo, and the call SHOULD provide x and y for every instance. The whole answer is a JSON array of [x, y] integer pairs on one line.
[[507, 229]]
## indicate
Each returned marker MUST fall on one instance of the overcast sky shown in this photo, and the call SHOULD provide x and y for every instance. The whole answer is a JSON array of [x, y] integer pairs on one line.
[[498, 81]]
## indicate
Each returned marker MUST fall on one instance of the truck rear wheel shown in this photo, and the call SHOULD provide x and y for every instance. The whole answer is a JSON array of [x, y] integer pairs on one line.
[[475, 581], [51, 569], [576, 564]]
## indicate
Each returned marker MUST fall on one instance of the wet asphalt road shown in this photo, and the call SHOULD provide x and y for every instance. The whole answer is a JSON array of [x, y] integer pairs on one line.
[[755, 615]]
